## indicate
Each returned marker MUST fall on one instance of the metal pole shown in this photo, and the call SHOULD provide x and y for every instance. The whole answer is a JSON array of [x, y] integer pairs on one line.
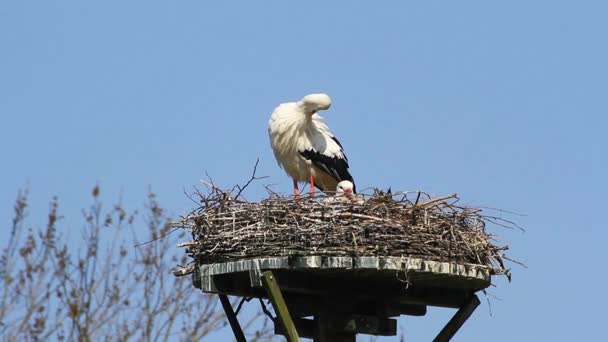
[[458, 320], [280, 308], [234, 322]]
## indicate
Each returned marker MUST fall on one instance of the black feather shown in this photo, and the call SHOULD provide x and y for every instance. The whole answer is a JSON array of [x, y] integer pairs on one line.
[[333, 166], [341, 148]]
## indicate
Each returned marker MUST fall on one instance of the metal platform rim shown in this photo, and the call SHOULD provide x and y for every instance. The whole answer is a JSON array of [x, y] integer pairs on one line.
[[398, 264]]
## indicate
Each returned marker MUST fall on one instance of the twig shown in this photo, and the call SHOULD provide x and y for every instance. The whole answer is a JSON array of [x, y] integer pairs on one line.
[[253, 177], [158, 238]]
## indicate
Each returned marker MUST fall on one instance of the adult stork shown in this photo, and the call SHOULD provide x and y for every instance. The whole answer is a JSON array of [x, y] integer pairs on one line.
[[305, 147]]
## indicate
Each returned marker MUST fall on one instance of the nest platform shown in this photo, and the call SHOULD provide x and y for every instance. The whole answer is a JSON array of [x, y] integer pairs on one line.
[[334, 269]]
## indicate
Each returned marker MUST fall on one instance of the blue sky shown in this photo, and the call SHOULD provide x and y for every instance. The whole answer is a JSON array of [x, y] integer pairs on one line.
[[501, 102]]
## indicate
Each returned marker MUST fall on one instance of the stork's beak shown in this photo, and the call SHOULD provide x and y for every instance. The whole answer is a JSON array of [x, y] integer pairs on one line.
[[348, 191]]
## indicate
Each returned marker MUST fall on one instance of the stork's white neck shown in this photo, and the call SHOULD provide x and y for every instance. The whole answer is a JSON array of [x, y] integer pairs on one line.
[[306, 109]]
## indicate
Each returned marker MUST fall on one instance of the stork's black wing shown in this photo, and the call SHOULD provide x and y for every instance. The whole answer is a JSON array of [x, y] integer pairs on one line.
[[336, 167]]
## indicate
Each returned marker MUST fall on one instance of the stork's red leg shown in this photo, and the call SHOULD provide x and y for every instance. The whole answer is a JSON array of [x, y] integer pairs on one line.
[[312, 185], [296, 191]]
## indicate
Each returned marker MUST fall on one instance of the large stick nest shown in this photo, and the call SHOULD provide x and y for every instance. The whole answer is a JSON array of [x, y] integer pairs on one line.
[[405, 224]]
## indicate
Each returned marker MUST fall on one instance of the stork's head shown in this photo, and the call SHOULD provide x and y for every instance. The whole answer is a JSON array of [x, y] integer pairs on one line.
[[315, 102], [345, 188]]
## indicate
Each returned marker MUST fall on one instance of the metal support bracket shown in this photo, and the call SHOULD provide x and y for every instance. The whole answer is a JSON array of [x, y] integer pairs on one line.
[[280, 307], [452, 327], [234, 322]]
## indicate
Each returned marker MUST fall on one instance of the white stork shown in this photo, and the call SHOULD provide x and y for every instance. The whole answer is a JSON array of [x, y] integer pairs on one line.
[[346, 189], [345, 193], [304, 146]]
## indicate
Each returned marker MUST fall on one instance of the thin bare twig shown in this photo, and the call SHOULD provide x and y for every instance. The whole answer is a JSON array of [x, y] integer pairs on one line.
[[251, 179]]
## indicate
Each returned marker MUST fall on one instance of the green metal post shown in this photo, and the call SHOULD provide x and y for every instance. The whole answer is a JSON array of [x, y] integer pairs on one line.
[[280, 307]]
